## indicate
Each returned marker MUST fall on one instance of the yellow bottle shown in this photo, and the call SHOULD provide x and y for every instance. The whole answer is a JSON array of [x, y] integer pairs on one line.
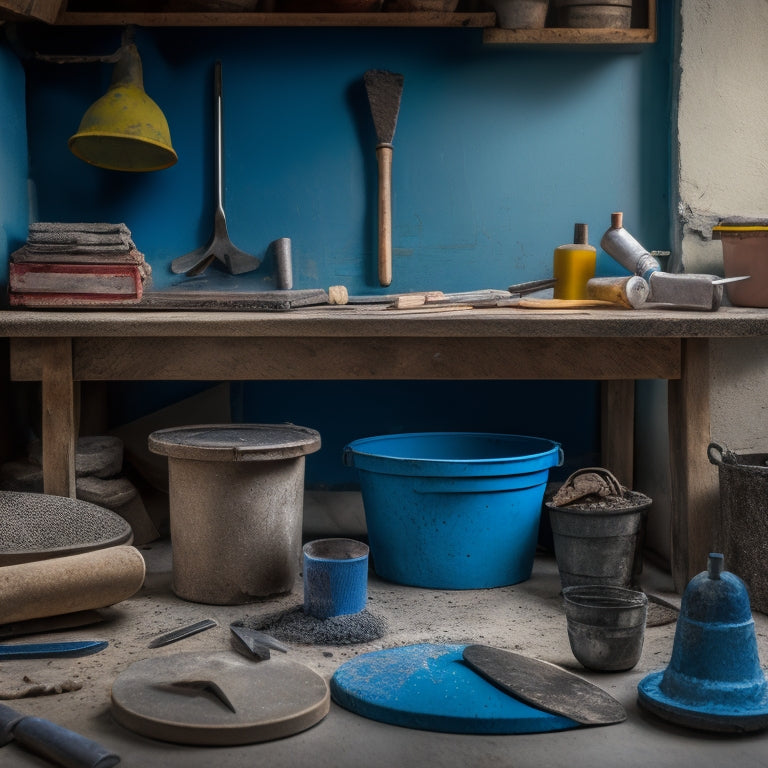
[[574, 265]]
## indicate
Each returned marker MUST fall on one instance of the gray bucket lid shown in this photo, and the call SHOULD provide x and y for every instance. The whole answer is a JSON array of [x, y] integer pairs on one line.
[[235, 442]]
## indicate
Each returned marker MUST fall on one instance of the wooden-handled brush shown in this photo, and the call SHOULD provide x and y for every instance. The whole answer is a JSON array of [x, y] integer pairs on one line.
[[384, 92]]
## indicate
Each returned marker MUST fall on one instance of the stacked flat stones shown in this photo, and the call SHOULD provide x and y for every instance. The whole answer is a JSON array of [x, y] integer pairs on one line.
[[98, 468]]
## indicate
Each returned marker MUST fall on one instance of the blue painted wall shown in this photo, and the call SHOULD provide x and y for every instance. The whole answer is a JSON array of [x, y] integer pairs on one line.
[[14, 208], [498, 152]]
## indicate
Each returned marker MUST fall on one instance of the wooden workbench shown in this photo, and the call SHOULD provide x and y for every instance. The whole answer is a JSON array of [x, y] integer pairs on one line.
[[616, 347]]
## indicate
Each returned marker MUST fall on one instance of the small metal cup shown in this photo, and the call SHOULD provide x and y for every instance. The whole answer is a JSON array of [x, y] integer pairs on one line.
[[606, 625], [335, 577]]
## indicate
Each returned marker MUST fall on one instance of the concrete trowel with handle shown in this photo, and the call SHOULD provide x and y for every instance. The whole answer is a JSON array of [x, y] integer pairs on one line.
[[219, 246]]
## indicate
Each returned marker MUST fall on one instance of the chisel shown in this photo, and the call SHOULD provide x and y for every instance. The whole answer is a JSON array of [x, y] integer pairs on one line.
[[181, 633]]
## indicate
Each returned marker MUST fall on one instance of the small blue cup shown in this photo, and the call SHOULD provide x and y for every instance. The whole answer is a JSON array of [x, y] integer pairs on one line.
[[335, 577]]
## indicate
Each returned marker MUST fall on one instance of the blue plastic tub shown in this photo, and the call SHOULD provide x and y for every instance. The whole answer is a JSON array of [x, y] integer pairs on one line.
[[453, 510]]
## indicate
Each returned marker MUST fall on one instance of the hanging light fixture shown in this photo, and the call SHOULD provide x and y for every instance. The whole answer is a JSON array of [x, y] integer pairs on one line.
[[125, 130]]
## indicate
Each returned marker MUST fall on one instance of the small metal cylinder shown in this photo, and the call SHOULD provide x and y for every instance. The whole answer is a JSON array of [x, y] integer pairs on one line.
[[283, 267]]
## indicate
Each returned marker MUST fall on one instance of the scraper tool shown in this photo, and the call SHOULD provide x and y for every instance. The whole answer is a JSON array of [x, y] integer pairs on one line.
[[545, 685], [384, 91]]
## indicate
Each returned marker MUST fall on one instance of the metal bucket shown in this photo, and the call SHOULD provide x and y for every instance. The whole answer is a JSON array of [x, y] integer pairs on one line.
[[606, 626], [743, 530], [595, 545]]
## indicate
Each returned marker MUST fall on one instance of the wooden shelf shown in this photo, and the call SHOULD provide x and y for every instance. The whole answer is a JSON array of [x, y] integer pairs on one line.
[[563, 36], [217, 19], [56, 12], [637, 35]]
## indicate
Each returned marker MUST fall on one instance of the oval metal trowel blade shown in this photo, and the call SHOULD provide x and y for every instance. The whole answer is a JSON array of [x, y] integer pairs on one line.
[[545, 685]]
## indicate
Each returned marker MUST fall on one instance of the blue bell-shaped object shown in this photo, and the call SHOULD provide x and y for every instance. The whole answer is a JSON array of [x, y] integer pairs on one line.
[[714, 680]]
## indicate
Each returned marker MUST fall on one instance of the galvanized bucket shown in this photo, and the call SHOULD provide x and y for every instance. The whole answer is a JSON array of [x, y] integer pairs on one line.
[[743, 530], [595, 545], [606, 626]]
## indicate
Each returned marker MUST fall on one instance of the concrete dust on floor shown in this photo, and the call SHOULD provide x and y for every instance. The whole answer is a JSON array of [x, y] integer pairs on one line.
[[528, 618]]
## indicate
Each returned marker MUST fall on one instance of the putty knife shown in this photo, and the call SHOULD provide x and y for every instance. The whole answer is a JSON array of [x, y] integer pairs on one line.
[[384, 91], [545, 685]]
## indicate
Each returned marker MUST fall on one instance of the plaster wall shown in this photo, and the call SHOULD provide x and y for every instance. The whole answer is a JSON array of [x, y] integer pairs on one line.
[[722, 113], [720, 159], [723, 171]]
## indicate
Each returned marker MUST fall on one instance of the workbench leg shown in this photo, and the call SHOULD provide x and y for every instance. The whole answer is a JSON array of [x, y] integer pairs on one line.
[[58, 423], [617, 429], [693, 480]]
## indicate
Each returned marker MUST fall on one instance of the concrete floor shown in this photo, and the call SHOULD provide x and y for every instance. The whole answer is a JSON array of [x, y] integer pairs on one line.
[[528, 618]]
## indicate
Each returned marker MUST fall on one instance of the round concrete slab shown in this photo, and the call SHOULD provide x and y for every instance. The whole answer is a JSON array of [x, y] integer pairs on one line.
[[36, 526], [218, 699]]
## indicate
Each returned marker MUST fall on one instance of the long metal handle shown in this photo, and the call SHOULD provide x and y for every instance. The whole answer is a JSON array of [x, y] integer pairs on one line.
[[217, 136]]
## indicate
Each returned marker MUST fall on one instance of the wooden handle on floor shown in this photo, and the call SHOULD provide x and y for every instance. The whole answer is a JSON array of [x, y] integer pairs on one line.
[[71, 583]]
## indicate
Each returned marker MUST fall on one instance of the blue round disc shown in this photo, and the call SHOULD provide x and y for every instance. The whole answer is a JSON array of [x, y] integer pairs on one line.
[[430, 687]]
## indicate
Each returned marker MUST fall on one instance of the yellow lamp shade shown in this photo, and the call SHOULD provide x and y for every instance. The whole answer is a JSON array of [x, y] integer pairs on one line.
[[125, 130]]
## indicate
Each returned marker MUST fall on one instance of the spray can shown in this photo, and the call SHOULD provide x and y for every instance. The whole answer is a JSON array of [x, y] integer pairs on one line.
[[574, 265], [621, 246]]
